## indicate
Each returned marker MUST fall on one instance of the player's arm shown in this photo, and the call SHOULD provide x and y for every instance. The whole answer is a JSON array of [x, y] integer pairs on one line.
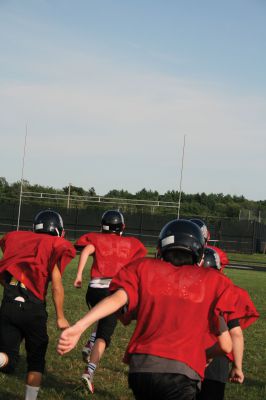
[[224, 338], [236, 374], [70, 337], [223, 344], [58, 298], [86, 252]]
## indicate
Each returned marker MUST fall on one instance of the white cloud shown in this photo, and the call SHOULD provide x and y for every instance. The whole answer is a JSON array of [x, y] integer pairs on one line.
[[108, 116]]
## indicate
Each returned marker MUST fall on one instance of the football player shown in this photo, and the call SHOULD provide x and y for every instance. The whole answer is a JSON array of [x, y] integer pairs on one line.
[[175, 303], [110, 251], [217, 373], [223, 256], [30, 261]]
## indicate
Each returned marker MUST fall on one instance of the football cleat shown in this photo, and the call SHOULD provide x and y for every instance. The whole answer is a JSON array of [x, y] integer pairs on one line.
[[87, 380]]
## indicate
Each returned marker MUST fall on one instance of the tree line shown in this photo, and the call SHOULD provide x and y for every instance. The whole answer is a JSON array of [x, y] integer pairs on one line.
[[213, 204]]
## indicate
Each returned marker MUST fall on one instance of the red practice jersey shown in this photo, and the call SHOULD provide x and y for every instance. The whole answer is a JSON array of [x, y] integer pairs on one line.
[[30, 257], [246, 311], [112, 252], [223, 256], [176, 308]]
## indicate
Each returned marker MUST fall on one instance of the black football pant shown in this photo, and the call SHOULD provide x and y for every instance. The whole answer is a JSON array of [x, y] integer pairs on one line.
[[26, 321], [162, 386], [106, 326], [211, 390]]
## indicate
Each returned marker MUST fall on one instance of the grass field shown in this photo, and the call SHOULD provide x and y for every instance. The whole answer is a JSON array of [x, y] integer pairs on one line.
[[62, 378], [251, 259]]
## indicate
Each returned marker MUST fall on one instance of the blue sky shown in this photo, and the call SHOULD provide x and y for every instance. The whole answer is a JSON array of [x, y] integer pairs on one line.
[[108, 90]]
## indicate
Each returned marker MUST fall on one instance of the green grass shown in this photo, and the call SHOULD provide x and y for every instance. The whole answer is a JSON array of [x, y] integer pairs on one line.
[[62, 377], [257, 257], [258, 260]]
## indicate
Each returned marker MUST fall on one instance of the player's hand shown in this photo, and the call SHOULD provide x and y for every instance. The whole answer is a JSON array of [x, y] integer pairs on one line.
[[62, 323], [236, 375], [78, 282], [68, 339]]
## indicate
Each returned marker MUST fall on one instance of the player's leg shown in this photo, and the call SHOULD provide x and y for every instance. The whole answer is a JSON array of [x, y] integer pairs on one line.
[[93, 296], [211, 390], [36, 342], [86, 350], [105, 329], [10, 335], [216, 376], [33, 383]]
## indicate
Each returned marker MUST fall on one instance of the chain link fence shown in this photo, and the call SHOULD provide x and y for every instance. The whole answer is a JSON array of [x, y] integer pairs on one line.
[[234, 235]]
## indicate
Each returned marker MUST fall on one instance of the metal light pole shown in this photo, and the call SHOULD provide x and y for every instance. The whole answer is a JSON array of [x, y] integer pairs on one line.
[[181, 177], [68, 196], [22, 176]]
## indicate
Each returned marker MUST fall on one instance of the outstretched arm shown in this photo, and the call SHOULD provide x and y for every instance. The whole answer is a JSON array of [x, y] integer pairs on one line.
[[86, 252], [58, 298], [236, 374], [225, 342], [70, 337]]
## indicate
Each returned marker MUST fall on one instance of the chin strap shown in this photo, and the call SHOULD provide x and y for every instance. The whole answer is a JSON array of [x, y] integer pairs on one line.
[[200, 263]]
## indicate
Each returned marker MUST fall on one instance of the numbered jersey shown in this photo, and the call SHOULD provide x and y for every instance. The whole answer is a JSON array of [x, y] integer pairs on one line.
[[112, 252], [175, 308]]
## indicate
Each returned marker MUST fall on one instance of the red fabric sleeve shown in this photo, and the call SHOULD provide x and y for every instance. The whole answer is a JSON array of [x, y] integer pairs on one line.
[[223, 258], [128, 279], [225, 305], [84, 240], [63, 253], [246, 311]]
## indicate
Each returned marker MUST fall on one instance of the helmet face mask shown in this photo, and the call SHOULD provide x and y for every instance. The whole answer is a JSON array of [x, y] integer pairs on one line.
[[183, 236], [113, 222], [49, 222]]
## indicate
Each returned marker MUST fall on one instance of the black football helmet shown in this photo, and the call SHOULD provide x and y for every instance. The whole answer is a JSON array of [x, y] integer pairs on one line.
[[181, 234], [48, 221], [203, 227], [211, 259], [113, 222]]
